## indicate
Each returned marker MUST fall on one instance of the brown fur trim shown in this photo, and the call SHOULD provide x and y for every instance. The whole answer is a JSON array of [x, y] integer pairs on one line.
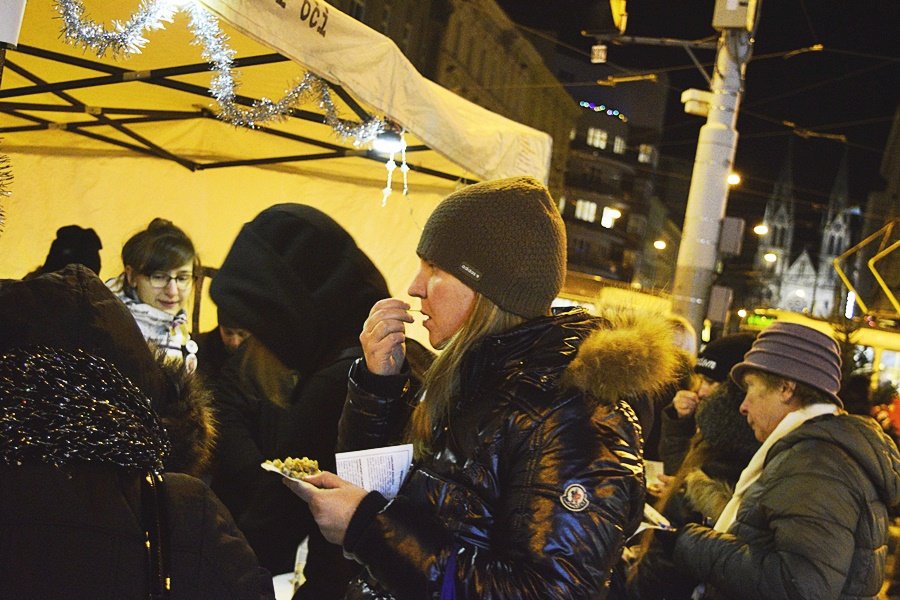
[[634, 354], [187, 415], [706, 495]]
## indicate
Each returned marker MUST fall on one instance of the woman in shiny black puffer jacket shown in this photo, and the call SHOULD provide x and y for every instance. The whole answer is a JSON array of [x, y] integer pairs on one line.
[[532, 489]]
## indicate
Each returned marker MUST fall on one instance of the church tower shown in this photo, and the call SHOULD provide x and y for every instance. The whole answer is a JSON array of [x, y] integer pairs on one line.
[[774, 250], [836, 239]]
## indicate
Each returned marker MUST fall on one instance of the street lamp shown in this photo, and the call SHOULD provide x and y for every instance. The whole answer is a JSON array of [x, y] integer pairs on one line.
[[770, 257], [660, 244], [734, 179], [761, 229]]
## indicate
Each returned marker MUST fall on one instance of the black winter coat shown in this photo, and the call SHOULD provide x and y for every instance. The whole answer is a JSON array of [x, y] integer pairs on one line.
[[76, 532], [253, 429], [538, 480]]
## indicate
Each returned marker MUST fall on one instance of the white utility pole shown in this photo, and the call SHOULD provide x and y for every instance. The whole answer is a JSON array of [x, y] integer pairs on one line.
[[698, 253]]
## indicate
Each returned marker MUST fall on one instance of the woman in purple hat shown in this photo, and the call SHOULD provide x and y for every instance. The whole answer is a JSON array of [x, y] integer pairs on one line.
[[809, 514]]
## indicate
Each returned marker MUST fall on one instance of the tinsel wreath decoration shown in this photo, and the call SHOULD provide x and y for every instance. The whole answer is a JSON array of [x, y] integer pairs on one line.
[[127, 37]]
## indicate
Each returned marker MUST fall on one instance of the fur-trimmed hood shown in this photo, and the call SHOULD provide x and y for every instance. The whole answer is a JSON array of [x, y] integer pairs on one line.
[[185, 409], [627, 353]]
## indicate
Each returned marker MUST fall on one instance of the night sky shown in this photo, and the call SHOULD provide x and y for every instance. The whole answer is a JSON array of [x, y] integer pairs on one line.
[[852, 88]]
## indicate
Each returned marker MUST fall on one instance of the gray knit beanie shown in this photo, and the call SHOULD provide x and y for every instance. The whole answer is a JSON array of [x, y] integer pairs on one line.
[[796, 352], [504, 239]]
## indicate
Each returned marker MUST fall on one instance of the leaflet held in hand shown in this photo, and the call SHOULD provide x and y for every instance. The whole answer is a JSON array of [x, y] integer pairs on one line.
[[377, 469]]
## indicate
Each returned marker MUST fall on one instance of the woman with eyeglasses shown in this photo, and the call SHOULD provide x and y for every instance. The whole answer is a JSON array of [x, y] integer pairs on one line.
[[160, 263]]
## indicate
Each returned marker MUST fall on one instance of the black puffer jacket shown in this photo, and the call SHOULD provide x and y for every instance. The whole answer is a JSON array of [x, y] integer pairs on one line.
[[534, 487], [813, 526]]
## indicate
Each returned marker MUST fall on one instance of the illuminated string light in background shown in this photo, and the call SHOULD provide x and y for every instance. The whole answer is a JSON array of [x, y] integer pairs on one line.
[[602, 108]]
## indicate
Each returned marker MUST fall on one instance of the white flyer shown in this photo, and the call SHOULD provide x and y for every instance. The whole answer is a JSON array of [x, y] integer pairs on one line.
[[652, 470], [377, 469]]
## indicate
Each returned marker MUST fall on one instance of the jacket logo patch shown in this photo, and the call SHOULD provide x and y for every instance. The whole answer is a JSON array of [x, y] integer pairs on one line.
[[575, 497]]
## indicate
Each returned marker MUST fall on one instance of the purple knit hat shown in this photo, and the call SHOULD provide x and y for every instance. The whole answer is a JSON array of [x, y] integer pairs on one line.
[[796, 352]]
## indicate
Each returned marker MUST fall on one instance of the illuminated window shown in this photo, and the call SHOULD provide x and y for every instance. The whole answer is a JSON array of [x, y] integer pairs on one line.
[[619, 145], [646, 154], [586, 211], [597, 137], [609, 216]]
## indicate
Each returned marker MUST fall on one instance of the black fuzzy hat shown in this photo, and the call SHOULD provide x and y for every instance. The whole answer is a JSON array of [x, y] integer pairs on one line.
[[73, 244], [730, 439], [717, 358], [298, 282], [504, 239]]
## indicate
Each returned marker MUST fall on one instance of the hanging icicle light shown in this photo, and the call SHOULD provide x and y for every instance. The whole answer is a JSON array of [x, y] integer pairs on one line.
[[389, 142]]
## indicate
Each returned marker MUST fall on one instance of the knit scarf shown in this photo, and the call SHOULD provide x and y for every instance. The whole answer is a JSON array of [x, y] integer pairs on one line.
[[755, 468]]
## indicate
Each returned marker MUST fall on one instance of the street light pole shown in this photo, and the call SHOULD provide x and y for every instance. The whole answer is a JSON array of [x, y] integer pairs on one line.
[[708, 195]]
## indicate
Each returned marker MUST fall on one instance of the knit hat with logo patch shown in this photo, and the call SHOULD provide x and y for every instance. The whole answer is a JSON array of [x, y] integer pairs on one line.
[[504, 239]]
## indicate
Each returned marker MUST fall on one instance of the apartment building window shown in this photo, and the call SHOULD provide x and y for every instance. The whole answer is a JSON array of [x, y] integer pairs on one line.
[[586, 211], [358, 9], [597, 137], [609, 217], [619, 145], [647, 154]]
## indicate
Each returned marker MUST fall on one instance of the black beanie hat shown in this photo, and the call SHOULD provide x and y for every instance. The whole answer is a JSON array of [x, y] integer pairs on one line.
[[298, 282], [74, 244], [717, 358], [504, 239]]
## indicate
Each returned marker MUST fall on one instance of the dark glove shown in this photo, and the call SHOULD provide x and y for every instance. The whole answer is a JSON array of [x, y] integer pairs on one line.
[[667, 538]]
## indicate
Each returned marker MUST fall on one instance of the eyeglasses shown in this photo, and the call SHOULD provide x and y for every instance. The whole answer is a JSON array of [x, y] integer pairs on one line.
[[160, 280]]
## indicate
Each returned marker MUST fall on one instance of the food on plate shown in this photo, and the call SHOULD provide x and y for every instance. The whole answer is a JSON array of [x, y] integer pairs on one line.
[[297, 468]]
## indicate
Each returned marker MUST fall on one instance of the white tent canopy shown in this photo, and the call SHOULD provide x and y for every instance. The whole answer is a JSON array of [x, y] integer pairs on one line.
[[372, 68], [111, 143]]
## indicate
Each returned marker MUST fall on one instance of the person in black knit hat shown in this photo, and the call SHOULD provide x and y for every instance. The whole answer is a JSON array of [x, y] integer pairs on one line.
[[296, 281], [678, 419]]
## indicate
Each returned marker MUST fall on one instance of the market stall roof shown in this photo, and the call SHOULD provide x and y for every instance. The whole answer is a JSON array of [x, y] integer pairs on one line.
[[56, 97]]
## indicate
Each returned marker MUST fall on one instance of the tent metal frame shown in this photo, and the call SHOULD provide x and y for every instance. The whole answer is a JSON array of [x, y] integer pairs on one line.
[[121, 118]]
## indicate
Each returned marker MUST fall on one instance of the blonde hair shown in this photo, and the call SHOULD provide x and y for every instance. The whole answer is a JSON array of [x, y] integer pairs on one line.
[[264, 373], [441, 382]]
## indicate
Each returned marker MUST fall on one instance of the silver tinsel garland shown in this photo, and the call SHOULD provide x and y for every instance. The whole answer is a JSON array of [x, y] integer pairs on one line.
[[128, 36], [6, 178], [128, 39]]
